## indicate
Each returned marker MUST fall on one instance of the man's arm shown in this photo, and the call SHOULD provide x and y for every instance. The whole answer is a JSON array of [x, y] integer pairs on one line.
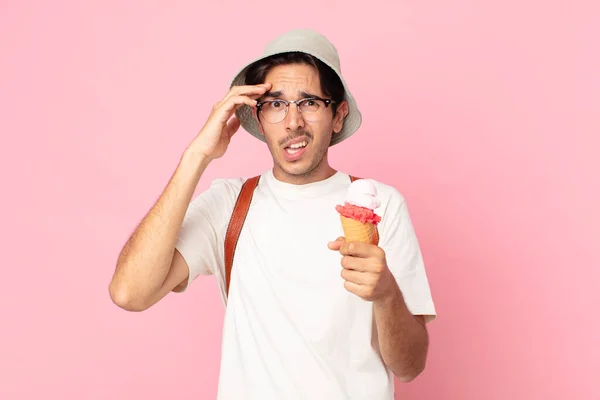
[[403, 337], [149, 266]]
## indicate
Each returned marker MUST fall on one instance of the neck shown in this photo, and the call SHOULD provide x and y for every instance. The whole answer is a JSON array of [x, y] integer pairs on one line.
[[319, 173]]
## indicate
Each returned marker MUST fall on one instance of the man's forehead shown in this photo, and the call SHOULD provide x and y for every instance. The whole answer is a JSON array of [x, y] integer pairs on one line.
[[293, 77], [298, 94]]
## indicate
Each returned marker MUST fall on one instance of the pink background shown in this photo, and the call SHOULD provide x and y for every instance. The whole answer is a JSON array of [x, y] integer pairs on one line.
[[485, 115]]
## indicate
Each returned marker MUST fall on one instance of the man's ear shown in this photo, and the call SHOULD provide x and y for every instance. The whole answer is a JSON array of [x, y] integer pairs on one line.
[[340, 114], [255, 115]]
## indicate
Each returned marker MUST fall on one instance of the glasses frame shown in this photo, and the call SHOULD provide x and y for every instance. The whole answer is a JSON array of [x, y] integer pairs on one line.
[[296, 102]]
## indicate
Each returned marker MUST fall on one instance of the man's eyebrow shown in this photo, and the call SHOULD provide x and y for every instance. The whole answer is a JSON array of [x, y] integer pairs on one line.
[[306, 95], [278, 93], [302, 94]]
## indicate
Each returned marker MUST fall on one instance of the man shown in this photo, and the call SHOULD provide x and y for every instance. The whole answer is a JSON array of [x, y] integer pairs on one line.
[[308, 316]]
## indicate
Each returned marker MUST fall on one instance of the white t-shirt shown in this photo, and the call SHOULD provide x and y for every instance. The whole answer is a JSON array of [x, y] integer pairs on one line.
[[291, 329]]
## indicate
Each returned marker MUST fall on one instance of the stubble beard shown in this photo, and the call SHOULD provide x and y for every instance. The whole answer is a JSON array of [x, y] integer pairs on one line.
[[306, 171]]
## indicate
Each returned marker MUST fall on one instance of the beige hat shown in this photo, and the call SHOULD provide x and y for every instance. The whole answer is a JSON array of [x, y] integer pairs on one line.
[[315, 44]]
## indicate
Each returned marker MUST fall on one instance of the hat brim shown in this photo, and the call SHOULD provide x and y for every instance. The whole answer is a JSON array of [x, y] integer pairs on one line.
[[350, 124]]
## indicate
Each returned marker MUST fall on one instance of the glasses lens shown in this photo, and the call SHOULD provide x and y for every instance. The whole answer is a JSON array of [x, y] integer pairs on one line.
[[274, 111], [312, 109]]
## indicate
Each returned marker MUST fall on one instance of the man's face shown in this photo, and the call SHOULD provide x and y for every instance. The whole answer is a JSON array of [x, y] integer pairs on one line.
[[299, 147]]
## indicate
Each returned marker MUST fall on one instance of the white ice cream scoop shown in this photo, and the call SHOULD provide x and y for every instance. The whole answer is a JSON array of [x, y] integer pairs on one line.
[[363, 193]]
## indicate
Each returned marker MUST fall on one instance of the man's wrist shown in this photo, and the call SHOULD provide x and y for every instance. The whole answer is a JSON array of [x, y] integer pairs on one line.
[[195, 160], [390, 297]]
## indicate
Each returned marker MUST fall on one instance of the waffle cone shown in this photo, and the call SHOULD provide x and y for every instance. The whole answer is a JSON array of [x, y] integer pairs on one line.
[[356, 231]]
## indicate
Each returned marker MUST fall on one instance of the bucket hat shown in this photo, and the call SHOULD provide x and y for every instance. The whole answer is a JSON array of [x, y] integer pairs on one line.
[[312, 43]]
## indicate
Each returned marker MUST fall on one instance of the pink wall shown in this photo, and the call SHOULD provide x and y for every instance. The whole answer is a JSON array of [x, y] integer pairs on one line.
[[486, 117]]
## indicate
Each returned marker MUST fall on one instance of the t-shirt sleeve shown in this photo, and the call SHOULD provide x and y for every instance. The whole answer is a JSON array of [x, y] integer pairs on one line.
[[202, 234], [404, 258]]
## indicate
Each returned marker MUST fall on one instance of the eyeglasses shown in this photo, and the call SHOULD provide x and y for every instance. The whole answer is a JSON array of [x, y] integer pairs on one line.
[[312, 109]]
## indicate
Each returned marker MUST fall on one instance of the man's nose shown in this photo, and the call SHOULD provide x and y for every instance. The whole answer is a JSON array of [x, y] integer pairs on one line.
[[294, 119]]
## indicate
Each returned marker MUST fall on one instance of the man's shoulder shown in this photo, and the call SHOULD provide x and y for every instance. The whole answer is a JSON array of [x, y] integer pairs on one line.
[[218, 199], [227, 184], [233, 185], [220, 193]]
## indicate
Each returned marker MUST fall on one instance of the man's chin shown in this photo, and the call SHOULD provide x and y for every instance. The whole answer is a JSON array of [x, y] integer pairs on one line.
[[295, 168]]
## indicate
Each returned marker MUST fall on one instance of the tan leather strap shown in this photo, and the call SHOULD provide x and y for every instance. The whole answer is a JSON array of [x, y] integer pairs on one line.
[[235, 224], [238, 217], [376, 235]]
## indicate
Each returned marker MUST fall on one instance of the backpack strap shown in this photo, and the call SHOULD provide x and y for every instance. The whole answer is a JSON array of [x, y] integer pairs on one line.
[[240, 210], [376, 235]]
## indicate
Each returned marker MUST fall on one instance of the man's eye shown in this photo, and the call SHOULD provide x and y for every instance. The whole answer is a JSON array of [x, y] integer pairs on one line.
[[276, 104]]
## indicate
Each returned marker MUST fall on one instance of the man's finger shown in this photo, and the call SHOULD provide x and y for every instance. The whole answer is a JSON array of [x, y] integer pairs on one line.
[[355, 263], [359, 290], [337, 243], [357, 249], [248, 90], [358, 277], [227, 109], [232, 126]]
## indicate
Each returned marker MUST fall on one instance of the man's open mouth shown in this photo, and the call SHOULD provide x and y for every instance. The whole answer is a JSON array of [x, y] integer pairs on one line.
[[296, 147]]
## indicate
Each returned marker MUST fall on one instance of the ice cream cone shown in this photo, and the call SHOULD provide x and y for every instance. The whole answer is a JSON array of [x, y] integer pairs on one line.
[[357, 214], [356, 231]]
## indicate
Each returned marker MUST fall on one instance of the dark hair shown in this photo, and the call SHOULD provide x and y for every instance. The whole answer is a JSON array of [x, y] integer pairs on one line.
[[331, 85]]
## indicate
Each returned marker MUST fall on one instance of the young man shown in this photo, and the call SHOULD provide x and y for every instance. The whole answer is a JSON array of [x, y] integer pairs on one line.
[[308, 316]]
